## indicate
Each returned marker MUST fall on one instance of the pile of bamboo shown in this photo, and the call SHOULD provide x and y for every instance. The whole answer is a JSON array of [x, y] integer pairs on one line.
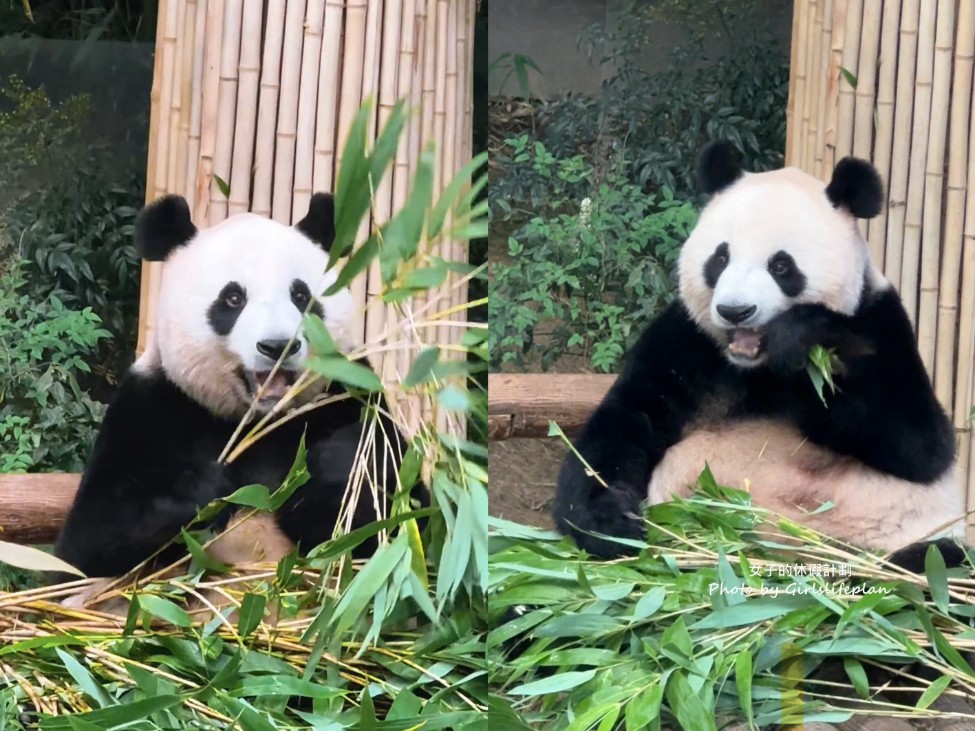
[[892, 82], [260, 94]]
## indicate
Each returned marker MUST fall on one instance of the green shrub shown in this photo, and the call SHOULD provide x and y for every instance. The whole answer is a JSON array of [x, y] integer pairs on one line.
[[47, 421], [585, 278]]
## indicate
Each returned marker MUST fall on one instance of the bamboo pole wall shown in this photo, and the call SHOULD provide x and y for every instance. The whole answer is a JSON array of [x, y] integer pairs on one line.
[[898, 90], [260, 94]]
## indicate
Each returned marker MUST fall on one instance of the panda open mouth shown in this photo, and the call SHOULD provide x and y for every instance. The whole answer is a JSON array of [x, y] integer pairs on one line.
[[746, 343], [275, 388]]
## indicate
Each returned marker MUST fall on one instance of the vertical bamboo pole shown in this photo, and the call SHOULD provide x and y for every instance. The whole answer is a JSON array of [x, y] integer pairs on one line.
[[797, 149], [287, 129], [209, 109], [226, 108], [188, 55], [965, 390], [146, 300], [946, 374], [934, 179], [910, 264], [180, 42], [326, 120], [790, 109], [877, 227], [809, 113], [248, 87], [847, 103], [900, 153], [267, 108], [824, 38], [836, 43], [349, 101], [304, 162]]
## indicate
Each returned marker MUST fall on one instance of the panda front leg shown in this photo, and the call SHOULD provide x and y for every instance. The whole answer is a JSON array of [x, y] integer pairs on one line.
[[668, 375], [884, 412]]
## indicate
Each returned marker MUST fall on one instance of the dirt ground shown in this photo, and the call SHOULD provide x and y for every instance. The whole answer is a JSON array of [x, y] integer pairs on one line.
[[523, 475]]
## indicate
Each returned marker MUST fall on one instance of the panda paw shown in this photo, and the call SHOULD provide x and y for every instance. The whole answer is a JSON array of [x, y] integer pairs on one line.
[[612, 511], [791, 336]]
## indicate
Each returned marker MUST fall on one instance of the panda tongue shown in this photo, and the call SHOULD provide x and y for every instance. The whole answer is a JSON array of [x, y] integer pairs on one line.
[[276, 386]]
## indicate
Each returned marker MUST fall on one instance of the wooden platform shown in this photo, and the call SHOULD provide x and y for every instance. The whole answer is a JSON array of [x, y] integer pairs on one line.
[[35, 506], [521, 405]]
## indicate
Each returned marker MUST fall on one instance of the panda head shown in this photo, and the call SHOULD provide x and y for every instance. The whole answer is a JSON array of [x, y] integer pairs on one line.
[[232, 297], [768, 241]]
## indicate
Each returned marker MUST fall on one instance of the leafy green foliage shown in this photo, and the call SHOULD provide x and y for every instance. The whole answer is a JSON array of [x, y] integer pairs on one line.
[[711, 624], [517, 65], [47, 422], [584, 279]]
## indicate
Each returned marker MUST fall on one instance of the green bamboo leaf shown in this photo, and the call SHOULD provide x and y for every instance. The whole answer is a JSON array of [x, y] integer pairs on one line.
[[356, 265], [33, 559], [937, 573], [686, 705], [85, 680], [422, 366], [346, 372], [857, 675], [222, 185], [251, 613], [743, 682], [252, 496], [933, 692], [165, 610], [366, 584], [554, 683], [401, 236], [320, 341], [448, 198]]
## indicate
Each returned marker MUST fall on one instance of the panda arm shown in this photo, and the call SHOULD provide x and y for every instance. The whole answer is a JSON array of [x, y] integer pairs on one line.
[[668, 373], [144, 481], [884, 413]]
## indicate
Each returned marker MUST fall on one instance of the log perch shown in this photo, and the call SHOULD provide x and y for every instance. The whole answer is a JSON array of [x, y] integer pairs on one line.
[[33, 507], [521, 405]]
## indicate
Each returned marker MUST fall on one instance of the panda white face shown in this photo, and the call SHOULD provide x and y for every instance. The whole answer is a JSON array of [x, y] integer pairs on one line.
[[767, 242], [231, 304]]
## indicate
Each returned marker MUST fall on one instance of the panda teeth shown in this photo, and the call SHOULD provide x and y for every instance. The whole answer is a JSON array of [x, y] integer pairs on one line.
[[746, 342]]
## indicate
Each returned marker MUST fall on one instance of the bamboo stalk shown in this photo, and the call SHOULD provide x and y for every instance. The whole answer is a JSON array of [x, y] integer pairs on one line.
[[822, 91], [961, 203], [209, 108], [790, 107], [311, 56], [847, 100], [934, 179], [403, 166], [392, 26], [353, 60], [837, 35], [164, 130], [323, 175], [267, 109], [248, 88], [910, 264], [146, 306], [877, 227], [180, 42], [811, 101], [188, 54], [226, 108], [900, 152], [800, 54], [866, 90], [284, 157], [195, 105]]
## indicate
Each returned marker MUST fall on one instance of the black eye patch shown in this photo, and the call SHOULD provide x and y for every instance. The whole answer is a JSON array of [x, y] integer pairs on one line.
[[786, 274], [716, 264], [301, 294], [226, 308]]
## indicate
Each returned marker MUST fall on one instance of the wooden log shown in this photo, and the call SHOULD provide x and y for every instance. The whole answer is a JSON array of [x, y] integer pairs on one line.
[[522, 405], [35, 506]]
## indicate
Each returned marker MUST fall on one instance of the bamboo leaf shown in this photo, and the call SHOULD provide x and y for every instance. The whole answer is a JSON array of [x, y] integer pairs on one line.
[[347, 372], [33, 559], [251, 613]]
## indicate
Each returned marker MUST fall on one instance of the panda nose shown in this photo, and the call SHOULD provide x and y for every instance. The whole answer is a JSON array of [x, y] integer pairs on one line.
[[736, 314], [273, 349]]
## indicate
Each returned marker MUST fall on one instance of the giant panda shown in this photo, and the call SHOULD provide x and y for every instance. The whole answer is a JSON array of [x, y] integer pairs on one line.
[[230, 305], [775, 265]]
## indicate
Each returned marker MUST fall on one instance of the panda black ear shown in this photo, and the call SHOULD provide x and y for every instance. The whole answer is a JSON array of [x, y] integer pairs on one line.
[[718, 166], [162, 226], [319, 223], [856, 186]]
